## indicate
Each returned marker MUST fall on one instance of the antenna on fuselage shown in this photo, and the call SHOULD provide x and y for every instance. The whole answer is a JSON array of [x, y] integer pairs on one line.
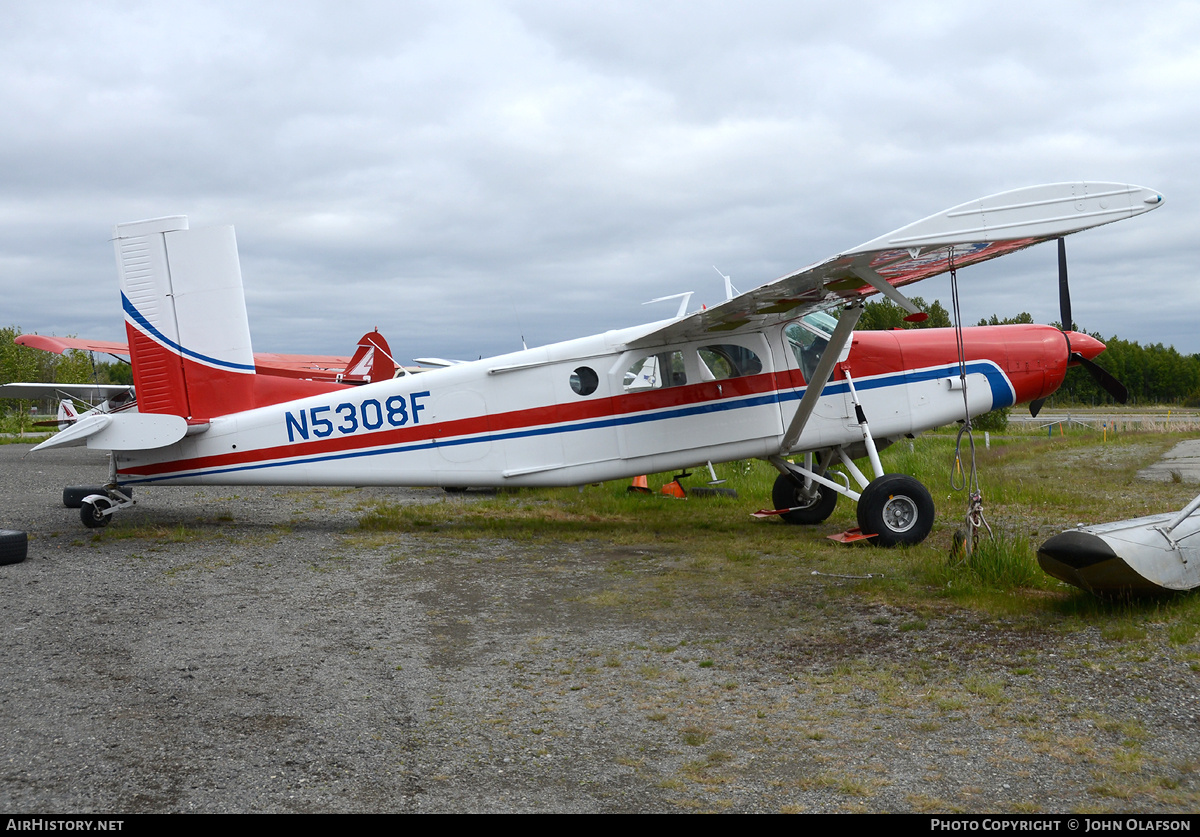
[[520, 325], [730, 290]]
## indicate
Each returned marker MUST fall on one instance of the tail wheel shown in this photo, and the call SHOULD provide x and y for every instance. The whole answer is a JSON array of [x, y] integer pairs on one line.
[[807, 509], [73, 494], [91, 512], [897, 509]]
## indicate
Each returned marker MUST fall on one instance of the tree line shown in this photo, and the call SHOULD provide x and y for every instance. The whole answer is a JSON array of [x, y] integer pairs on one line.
[[26, 365]]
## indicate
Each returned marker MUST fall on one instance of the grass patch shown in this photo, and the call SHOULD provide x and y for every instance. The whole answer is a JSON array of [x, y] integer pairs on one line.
[[709, 550], [1003, 563], [154, 532]]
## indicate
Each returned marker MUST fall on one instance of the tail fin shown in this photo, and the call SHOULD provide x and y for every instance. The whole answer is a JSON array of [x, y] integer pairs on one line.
[[67, 415], [372, 361], [185, 316]]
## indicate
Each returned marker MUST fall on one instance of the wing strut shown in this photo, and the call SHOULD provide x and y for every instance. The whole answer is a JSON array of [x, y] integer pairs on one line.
[[886, 288], [837, 342]]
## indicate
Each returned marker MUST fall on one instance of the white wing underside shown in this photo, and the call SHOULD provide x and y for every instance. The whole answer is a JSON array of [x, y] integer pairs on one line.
[[972, 232], [85, 392]]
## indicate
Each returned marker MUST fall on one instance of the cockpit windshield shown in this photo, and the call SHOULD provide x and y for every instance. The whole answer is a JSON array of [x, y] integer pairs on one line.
[[808, 337]]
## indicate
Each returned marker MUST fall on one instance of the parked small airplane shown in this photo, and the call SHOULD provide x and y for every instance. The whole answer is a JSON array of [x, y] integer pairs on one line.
[[766, 374]]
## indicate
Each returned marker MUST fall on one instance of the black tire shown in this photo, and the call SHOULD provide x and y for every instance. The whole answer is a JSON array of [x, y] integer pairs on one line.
[[14, 546], [91, 513], [788, 493], [706, 491], [897, 509], [73, 494]]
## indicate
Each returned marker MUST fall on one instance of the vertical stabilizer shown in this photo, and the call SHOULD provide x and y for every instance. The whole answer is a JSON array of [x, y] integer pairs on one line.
[[185, 316], [372, 361]]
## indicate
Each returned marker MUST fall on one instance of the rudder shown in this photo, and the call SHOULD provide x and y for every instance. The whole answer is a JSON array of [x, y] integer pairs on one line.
[[185, 317]]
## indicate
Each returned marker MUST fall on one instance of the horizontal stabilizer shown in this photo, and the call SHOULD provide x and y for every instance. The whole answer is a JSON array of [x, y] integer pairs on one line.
[[78, 433], [124, 431]]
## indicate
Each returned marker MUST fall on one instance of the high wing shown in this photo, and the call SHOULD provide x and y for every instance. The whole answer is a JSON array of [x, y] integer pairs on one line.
[[84, 392], [970, 233], [58, 345], [316, 367]]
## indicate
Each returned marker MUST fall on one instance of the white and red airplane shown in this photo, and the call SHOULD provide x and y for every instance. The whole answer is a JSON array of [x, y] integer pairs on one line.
[[766, 374]]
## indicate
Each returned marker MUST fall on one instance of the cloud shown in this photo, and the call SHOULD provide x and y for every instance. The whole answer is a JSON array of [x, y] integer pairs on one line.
[[462, 174]]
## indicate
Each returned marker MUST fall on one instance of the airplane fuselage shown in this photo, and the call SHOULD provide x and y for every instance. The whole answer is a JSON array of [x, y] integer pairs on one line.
[[590, 410]]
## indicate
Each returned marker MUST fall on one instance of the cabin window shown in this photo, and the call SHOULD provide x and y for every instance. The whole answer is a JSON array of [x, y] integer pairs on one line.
[[584, 380], [655, 372], [727, 361], [808, 338]]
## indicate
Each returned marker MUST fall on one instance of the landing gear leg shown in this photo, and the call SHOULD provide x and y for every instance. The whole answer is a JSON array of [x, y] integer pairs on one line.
[[96, 510], [895, 508], [807, 501]]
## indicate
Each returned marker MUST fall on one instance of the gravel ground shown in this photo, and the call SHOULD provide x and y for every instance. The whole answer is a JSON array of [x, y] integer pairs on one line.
[[251, 651]]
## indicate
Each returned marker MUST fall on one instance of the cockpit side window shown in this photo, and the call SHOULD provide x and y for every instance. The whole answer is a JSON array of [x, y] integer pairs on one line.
[[656, 372], [717, 363]]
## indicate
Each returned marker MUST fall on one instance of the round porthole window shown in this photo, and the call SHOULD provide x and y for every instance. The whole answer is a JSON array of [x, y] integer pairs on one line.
[[584, 380]]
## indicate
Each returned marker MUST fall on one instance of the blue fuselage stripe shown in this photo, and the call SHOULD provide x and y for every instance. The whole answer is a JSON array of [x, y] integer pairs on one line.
[[157, 335]]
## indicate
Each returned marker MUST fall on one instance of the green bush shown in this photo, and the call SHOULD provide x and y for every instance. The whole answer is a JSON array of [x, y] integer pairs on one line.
[[995, 421]]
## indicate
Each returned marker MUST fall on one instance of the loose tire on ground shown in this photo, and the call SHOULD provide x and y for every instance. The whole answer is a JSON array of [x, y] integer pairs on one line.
[[708, 491], [91, 512], [788, 493], [14, 546], [897, 509]]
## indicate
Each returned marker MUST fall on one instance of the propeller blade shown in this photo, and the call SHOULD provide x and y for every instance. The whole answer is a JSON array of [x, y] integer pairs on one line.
[[1099, 374], [1035, 406], [1064, 292], [1103, 377]]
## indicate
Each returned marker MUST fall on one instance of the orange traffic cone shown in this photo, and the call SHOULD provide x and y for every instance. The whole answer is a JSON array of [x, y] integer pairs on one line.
[[674, 489], [639, 485]]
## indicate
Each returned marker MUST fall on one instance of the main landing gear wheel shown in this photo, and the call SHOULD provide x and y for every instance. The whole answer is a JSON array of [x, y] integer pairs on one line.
[[897, 509], [809, 510], [91, 512]]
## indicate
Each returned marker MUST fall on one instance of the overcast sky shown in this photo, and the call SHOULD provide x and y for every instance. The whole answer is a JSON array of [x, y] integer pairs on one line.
[[460, 174]]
